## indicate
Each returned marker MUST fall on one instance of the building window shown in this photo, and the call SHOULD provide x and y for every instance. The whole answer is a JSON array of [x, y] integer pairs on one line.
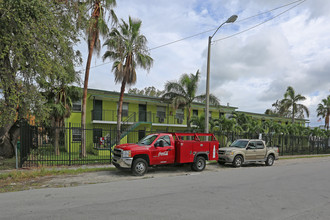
[[179, 116], [161, 111], [76, 134], [195, 112], [76, 106], [124, 110]]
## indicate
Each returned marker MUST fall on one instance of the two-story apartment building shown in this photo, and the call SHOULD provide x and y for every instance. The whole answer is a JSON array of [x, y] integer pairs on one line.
[[140, 114]]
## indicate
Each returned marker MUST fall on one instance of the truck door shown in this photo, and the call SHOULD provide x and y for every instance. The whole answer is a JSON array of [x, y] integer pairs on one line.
[[260, 150], [251, 153], [165, 154]]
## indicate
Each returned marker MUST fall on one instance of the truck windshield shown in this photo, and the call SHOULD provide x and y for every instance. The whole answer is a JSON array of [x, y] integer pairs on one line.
[[239, 143], [147, 140]]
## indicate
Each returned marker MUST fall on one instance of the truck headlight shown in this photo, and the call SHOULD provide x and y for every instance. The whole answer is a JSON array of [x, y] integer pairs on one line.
[[126, 153], [229, 153]]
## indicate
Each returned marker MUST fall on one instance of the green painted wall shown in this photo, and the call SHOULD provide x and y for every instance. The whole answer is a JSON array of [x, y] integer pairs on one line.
[[109, 107]]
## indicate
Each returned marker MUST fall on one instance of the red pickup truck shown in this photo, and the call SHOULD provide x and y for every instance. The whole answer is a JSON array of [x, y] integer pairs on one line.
[[167, 148]]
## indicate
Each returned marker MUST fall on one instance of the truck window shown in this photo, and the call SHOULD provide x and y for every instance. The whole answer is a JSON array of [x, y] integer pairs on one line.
[[252, 144], [147, 140], [239, 143], [260, 145], [166, 139]]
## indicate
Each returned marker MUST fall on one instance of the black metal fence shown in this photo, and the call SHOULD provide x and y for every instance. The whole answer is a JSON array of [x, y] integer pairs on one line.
[[51, 146], [287, 144]]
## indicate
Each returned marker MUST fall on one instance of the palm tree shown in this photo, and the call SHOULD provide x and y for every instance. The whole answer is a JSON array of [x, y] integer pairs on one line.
[[182, 93], [128, 49], [323, 110], [60, 102], [96, 26], [290, 103]]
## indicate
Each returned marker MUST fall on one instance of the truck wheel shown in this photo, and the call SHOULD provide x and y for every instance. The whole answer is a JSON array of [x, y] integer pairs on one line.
[[139, 167], [238, 160], [199, 164], [270, 160]]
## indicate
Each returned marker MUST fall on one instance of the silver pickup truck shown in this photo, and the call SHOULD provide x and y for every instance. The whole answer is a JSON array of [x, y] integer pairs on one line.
[[244, 151]]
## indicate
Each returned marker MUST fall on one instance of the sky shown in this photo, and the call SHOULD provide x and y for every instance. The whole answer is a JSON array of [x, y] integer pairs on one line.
[[253, 60]]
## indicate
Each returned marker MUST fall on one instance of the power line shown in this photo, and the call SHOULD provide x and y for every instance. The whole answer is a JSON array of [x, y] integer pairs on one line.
[[260, 23], [240, 20]]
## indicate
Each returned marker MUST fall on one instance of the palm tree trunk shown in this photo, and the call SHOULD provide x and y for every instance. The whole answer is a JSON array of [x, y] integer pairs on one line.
[[84, 103], [120, 107], [188, 117], [292, 115]]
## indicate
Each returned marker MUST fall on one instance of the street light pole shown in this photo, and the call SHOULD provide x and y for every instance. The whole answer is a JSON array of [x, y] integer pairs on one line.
[[229, 20]]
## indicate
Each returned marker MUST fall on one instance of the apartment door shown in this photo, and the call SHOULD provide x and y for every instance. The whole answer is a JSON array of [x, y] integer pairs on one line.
[[142, 112], [97, 111]]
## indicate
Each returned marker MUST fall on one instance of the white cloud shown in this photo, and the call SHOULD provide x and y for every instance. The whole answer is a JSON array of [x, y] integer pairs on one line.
[[249, 71]]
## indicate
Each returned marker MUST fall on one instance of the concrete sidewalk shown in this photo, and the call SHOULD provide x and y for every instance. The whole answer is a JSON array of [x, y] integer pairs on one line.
[[110, 165]]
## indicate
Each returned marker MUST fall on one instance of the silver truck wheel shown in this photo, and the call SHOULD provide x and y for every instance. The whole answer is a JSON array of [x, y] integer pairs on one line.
[[238, 160], [270, 160], [199, 164], [139, 167]]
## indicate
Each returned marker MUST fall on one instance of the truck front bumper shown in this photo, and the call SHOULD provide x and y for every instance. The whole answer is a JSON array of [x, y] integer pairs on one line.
[[225, 159], [122, 162]]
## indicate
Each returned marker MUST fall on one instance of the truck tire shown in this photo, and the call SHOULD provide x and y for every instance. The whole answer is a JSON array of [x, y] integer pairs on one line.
[[238, 161], [199, 165], [270, 160], [139, 167]]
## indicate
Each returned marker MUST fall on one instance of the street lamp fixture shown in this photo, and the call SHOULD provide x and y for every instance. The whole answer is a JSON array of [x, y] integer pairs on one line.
[[232, 19]]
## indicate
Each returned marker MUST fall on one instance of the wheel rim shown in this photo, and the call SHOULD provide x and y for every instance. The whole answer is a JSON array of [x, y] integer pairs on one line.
[[140, 167], [238, 161], [200, 164], [270, 160]]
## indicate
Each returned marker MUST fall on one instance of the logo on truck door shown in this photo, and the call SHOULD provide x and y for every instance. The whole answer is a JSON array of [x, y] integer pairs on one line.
[[165, 153]]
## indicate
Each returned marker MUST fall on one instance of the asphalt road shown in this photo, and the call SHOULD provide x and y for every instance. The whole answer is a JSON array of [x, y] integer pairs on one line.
[[292, 189]]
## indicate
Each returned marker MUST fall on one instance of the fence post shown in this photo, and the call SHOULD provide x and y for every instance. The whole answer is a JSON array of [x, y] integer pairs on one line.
[[282, 137], [69, 143]]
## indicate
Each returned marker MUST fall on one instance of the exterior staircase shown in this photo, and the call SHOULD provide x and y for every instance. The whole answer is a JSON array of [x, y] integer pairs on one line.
[[127, 127]]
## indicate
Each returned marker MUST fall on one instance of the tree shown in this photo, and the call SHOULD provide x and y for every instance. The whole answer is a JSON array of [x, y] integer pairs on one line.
[[182, 93], [278, 110], [96, 26], [127, 47], [290, 102], [60, 100], [323, 110], [147, 91], [36, 45]]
